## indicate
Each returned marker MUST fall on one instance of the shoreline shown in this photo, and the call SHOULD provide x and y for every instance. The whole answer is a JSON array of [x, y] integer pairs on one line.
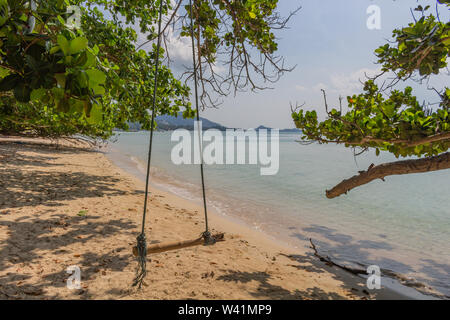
[[395, 290], [406, 238], [391, 280], [69, 206]]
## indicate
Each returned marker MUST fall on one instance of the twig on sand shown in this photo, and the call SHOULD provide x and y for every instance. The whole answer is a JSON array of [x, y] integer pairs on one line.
[[330, 262]]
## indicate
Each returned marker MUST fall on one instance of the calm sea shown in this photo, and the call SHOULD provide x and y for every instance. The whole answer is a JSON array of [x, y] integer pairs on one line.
[[401, 225]]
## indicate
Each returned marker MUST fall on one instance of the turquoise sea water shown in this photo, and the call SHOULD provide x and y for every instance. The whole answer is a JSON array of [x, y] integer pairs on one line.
[[401, 225]]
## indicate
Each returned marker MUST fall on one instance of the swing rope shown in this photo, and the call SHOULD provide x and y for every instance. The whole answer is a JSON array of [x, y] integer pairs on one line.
[[141, 247], [206, 235], [141, 239]]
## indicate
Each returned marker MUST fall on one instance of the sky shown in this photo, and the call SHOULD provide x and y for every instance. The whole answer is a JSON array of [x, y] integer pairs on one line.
[[332, 47]]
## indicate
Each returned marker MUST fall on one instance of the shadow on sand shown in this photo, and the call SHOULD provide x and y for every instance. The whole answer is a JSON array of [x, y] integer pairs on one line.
[[24, 183]]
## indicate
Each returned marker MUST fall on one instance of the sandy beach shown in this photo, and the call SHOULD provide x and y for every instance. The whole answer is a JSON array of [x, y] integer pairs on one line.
[[64, 205]]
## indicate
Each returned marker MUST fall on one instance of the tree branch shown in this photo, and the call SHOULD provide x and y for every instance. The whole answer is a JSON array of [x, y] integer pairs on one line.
[[381, 171], [444, 137]]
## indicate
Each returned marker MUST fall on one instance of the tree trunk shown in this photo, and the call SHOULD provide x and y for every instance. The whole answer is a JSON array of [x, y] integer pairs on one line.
[[381, 171]]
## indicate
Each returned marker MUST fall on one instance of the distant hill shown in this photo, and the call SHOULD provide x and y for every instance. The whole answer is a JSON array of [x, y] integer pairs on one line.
[[293, 130], [168, 123]]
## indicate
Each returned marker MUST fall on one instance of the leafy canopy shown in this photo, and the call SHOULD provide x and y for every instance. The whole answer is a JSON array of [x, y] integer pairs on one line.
[[56, 80], [395, 122], [60, 81]]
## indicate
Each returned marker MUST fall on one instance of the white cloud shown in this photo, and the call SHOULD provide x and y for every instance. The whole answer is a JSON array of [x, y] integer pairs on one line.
[[300, 88], [319, 87], [180, 48], [350, 83], [343, 83]]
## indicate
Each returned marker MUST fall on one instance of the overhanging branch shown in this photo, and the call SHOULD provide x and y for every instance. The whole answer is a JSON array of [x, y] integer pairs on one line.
[[440, 137], [381, 171]]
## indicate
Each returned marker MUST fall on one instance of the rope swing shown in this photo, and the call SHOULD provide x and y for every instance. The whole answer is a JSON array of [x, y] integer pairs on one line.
[[141, 250]]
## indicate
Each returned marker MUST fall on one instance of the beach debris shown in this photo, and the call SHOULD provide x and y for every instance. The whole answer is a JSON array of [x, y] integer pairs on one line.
[[82, 213], [32, 291], [329, 262], [208, 275]]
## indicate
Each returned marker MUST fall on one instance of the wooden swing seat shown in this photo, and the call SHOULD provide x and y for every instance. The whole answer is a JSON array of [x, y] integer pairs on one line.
[[170, 246]]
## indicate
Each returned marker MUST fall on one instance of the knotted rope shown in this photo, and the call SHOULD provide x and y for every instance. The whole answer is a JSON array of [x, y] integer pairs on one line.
[[141, 239]]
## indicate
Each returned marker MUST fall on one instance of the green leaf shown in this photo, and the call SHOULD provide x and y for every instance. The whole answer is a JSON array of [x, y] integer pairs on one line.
[[32, 63], [95, 115], [63, 105], [81, 60], [55, 49], [4, 12], [38, 94], [96, 77], [82, 213], [91, 60], [22, 92], [3, 72], [9, 82], [61, 20], [61, 79], [64, 44], [58, 93], [82, 79], [78, 44], [98, 90], [76, 106]]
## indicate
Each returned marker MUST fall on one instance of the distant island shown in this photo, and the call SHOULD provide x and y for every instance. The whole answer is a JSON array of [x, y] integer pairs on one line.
[[169, 123]]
